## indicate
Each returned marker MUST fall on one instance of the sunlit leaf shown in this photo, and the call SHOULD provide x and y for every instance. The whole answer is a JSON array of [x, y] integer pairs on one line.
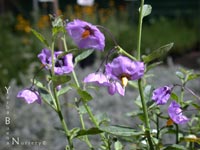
[[40, 37], [193, 76], [74, 132], [120, 131], [146, 10], [180, 75], [174, 96], [63, 90], [118, 146], [153, 65], [91, 131], [84, 95], [158, 54], [58, 80], [175, 147], [46, 97], [83, 55]]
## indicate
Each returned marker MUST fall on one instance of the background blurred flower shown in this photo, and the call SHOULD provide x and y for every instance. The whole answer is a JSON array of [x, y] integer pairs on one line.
[[29, 96], [175, 113], [161, 95], [63, 65], [85, 2], [86, 35]]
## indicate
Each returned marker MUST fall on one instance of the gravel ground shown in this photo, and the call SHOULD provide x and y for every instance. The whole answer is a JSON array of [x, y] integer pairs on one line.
[[36, 123]]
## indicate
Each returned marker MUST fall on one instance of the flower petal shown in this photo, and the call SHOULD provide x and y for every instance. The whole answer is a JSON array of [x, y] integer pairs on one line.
[[29, 96], [176, 114]]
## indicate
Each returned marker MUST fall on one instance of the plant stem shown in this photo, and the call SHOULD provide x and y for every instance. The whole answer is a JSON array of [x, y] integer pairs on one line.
[[64, 125], [177, 132], [182, 95], [146, 118], [121, 51], [144, 107], [78, 85], [57, 102], [83, 126], [92, 117], [140, 30]]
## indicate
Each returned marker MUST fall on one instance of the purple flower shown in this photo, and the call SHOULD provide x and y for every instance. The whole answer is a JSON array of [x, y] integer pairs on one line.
[[29, 96], [86, 35], [175, 113], [102, 80], [63, 65], [124, 69], [161, 95]]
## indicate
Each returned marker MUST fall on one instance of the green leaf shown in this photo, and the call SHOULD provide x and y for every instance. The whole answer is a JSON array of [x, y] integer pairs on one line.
[[134, 113], [180, 75], [197, 106], [91, 131], [40, 37], [83, 55], [158, 54], [146, 10], [153, 65], [147, 92], [46, 97], [63, 90], [56, 30], [175, 147], [66, 52], [174, 96], [84, 95], [39, 84], [58, 80], [120, 131], [74, 132], [193, 76], [133, 84], [191, 138], [102, 118], [56, 21], [82, 110], [118, 146]]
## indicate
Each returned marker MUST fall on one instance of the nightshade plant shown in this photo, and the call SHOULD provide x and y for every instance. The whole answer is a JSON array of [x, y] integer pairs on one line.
[[118, 70]]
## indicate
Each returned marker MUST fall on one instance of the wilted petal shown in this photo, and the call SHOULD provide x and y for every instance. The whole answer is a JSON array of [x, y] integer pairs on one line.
[[29, 96], [161, 95], [176, 114]]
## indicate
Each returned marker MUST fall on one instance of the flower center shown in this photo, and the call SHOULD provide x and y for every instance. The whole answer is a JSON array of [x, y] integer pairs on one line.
[[88, 31], [59, 62], [124, 81]]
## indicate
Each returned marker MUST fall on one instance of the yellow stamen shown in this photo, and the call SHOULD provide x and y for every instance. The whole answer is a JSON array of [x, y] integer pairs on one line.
[[169, 122], [124, 81], [85, 34]]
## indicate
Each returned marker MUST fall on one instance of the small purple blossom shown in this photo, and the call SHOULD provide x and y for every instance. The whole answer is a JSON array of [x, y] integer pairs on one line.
[[29, 96], [86, 35], [175, 113], [161, 95], [102, 80], [122, 67], [63, 65]]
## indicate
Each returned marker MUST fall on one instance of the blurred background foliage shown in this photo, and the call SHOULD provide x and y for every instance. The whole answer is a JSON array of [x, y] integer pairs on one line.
[[171, 21]]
